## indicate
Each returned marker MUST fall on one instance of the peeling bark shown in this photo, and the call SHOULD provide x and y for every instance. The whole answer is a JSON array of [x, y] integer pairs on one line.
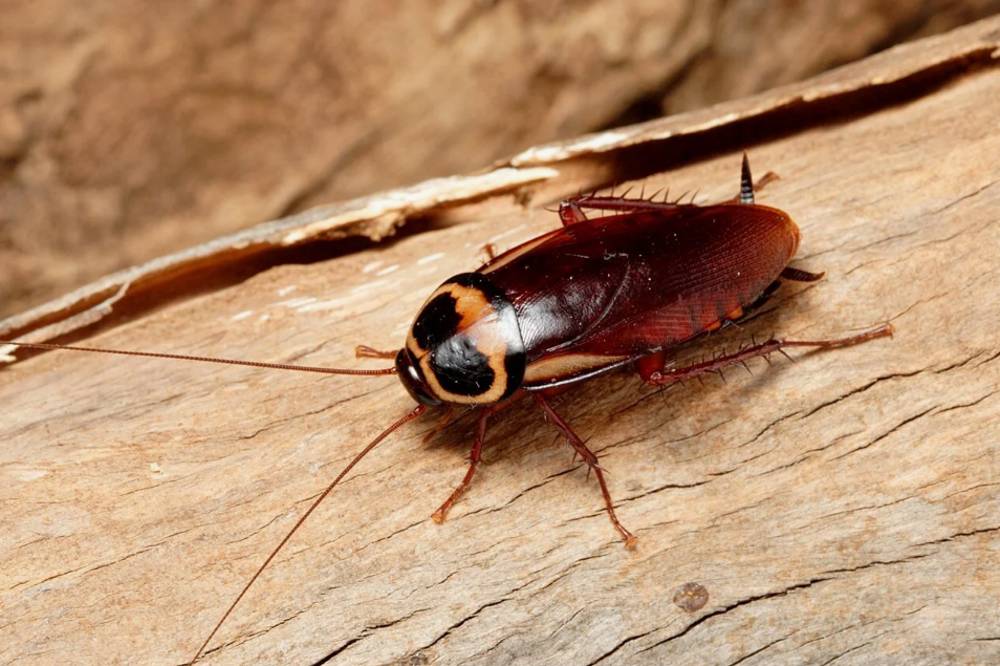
[[844, 508]]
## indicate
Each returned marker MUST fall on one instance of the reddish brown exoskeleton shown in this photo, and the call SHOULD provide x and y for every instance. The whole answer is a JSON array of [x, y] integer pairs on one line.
[[594, 295]]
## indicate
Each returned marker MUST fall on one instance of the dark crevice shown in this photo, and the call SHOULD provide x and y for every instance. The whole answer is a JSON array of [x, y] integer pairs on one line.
[[889, 432], [966, 405], [735, 605], [879, 563], [709, 616], [463, 621], [366, 632], [861, 389], [841, 654], [647, 106], [757, 651], [794, 117], [960, 535], [213, 273]]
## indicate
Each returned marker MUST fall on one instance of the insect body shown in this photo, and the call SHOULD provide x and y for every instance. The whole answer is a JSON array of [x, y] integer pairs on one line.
[[591, 296]]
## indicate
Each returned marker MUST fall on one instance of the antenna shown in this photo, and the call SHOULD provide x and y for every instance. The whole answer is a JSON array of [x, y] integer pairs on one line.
[[414, 413], [204, 359]]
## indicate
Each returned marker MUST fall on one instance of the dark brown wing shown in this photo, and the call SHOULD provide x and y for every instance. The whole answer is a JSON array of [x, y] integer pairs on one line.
[[608, 290]]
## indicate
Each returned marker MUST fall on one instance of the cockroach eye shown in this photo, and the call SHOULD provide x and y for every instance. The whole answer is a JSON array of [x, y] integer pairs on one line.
[[412, 381]]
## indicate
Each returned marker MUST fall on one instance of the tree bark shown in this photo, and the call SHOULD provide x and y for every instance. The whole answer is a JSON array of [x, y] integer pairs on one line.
[[843, 507], [126, 133]]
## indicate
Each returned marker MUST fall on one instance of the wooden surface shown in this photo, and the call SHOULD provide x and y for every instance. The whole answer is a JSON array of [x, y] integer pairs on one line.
[[126, 134], [842, 508]]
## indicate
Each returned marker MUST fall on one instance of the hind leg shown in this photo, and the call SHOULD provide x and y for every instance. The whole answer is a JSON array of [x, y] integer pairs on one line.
[[672, 375], [647, 366], [571, 213]]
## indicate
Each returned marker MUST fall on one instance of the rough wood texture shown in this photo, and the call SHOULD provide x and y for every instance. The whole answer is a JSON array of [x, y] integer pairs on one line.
[[127, 133], [843, 507]]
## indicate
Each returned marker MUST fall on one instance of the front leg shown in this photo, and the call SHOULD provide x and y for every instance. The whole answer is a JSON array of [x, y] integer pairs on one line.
[[474, 457], [364, 351]]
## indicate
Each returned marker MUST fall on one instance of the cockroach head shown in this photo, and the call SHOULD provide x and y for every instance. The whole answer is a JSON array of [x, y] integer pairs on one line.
[[409, 375], [464, 347]]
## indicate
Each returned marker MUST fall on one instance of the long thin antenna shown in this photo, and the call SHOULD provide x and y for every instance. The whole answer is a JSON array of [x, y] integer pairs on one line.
[[414, 413], [203, 359]]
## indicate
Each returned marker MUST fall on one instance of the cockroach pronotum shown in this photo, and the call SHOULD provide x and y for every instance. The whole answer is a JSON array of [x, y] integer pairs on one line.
[[620, 289]]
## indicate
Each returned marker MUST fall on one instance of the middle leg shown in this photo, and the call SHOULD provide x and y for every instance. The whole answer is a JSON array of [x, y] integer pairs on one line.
[[591, 459]]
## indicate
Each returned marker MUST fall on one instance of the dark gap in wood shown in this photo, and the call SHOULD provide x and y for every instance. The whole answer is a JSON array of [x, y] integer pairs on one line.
[[656, 156], [214, 273]]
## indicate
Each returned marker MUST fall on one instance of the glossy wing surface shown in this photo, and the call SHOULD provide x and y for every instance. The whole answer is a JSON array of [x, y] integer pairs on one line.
[[622, 286]]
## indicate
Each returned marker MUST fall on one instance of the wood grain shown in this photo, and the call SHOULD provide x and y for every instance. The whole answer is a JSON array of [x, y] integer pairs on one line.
[[842, 508]]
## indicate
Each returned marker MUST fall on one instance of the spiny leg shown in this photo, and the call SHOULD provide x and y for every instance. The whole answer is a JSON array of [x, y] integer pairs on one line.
[[571, 213], [671, 375], [591, 460], [474, 457], [571, 210]]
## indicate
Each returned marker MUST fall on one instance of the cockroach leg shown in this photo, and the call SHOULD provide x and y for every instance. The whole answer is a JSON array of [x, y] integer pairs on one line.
[[799, 275], [490, 250], [474, 456], [364, 351], [768, 178], [591, 460], [652, 364], [571, 213], [574, 207], [571, 210], [671, 375]]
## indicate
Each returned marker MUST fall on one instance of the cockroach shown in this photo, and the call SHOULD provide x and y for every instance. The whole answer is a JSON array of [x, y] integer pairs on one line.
[[620, 289]]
